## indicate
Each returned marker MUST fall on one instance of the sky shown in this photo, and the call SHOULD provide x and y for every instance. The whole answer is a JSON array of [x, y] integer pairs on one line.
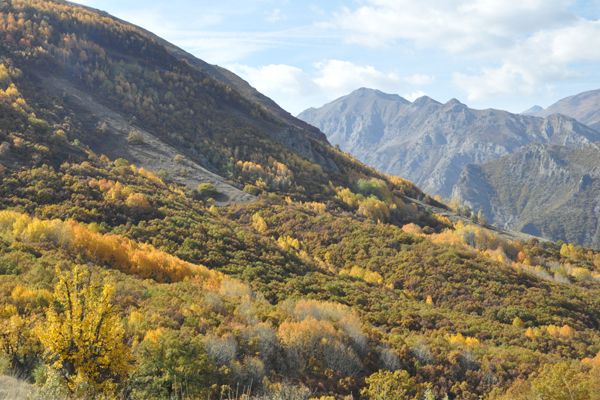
[[487, 53]]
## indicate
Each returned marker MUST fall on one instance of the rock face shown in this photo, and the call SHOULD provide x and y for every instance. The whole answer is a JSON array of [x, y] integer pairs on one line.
[[430, 142], [550, 191], [584, 107]]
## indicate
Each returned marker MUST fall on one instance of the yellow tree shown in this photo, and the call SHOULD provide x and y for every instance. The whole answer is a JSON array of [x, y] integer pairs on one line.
[[83, 336]]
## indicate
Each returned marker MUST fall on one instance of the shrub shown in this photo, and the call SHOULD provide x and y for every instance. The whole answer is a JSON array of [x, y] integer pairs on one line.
[[205, 191], [385, 385], [172, 365], [259, 224], [374, 187], [135, 137], [83, 335]]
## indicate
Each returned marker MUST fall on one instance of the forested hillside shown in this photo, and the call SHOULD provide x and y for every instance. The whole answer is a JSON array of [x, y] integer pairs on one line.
[[288, 270]]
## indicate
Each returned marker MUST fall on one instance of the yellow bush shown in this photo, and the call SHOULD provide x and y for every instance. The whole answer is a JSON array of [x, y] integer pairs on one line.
[[138, 200], [259, 224], [374, 209], [4, 74], [485, 241], [364, 274], [117, 251], [461, 340], [412, 228], [564, 331], [518, 322], [151, 176], [592, 361], [27, 298], [582, 274], [317, 207], [288, 243], [348, 197], [316, 345], [532, 333], [341, 316], [84, 333], [568, 250]]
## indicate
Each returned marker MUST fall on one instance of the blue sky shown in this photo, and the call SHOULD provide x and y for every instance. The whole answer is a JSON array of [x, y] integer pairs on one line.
[[487, 53]]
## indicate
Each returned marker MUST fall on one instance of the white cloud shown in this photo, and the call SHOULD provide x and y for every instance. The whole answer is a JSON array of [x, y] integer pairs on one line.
[[222, 47], [453, 25], [291, 87], [544, 58], [338, 77], [514, 47], [295, 89], [278, 79], [419, 79], [276, 15]]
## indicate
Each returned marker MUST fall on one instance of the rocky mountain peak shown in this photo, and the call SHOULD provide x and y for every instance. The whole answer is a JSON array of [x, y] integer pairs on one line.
[[425, 101]]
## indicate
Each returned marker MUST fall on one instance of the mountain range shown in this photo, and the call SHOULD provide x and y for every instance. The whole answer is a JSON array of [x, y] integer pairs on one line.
[[584, 107], [439, 147]]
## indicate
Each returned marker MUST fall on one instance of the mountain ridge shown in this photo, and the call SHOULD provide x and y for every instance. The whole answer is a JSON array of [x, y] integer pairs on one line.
[[584, 107], [422, 140]]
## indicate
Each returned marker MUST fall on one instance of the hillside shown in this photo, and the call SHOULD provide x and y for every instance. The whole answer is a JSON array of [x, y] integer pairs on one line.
[[112, 78], [565, 181], [584, 107], [299, 274], [429, 142]]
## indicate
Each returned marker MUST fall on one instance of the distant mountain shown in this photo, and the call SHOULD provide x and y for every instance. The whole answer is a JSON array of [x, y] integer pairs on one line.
[[550, 191], [584, 107], [430, 142], [535, 110]]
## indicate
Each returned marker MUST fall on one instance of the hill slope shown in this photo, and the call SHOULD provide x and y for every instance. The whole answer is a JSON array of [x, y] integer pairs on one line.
[[122, 282], [584, 107], [429, 142], [121, 79]]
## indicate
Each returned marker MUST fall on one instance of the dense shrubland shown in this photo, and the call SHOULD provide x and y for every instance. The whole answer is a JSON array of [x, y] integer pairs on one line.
[[331, 300]]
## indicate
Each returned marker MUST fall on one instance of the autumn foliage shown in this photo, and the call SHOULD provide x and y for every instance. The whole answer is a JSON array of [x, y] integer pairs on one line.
[[114, 250], [83, 334]]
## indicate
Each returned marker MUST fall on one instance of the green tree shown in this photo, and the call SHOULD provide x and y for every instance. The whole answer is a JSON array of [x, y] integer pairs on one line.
[[172, 365], [385, 385]]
